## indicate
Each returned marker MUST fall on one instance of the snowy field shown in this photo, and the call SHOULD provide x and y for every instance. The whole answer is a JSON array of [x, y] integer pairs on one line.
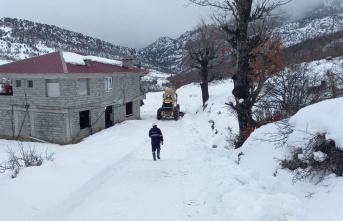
[[159, 76], [111, 175]]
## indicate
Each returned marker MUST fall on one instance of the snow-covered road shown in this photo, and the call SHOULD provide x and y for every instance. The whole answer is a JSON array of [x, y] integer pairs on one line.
[[135, 187], [111, 175]]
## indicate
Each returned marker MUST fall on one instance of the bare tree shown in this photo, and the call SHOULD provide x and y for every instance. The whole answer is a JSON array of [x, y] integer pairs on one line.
[[336, 83], [204, 51], [294, 88], [247, 31]]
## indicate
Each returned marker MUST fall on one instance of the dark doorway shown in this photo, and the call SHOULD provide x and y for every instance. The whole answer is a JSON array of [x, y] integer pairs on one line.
[[84, 119], [129, 109], [108, 117]]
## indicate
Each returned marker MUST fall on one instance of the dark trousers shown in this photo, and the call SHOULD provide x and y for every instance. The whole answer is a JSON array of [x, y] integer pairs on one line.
[[155, 146]]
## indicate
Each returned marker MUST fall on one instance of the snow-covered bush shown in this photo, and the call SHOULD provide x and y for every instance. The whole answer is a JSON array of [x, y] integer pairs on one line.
[[320, 157], [27, 157]]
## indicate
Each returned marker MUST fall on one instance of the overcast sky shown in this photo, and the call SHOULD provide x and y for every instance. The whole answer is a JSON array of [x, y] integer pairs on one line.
[[131, 23]]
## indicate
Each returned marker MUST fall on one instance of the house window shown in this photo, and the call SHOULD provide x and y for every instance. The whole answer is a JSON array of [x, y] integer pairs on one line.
[[53, 87], [108, 83], [18, 83], [84, 119], [30, 83], [129, 109], [82, 86]]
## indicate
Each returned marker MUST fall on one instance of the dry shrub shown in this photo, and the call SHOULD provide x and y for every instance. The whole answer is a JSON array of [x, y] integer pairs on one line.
[[27, 157], [319, 158], [266, 117]]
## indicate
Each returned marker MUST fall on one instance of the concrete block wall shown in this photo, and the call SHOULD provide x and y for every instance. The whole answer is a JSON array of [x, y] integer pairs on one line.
[[22, 123], [50, 127], [78, 134], [97, 121], [136, 109], [119, 113], [7, 123], [51, 114], [124, 87]]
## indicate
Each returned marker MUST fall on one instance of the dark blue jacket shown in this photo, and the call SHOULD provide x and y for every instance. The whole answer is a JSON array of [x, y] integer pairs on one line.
[[156, 135]]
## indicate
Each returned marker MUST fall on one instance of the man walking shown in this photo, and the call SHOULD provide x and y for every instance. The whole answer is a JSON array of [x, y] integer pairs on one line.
[[156, 139]]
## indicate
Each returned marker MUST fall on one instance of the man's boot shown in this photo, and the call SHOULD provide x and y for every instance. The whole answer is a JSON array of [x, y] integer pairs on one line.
[[154, 155], [158, 153]]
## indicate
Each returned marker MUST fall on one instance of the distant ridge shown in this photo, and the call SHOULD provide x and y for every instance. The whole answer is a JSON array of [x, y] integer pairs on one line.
[[20, 39]]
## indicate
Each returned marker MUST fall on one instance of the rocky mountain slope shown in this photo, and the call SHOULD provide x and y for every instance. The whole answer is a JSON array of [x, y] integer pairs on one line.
[[325, 21], [20, 39], [168, 53]]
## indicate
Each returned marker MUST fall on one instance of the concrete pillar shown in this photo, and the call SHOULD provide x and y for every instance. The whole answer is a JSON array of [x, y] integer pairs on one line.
[[69, 124], [32, 123]]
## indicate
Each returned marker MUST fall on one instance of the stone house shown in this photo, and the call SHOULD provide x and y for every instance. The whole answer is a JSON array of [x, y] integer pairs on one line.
[[63, 97]]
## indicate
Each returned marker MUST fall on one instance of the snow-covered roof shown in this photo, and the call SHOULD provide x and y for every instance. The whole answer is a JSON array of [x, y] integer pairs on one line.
[[67, 62], [74, 58]]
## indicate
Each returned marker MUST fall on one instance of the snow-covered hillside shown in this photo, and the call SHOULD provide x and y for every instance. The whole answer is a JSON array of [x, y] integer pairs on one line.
[[111, 175], [21, 39], [297, 32], [156, 80], [168, 53]]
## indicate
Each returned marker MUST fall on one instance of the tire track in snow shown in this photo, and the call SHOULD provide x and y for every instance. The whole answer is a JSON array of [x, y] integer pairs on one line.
[[176, 170], [152, 191], [58, 211]]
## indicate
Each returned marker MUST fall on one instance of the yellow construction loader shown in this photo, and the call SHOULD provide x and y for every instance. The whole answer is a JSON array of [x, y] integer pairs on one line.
[[170, 108]]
